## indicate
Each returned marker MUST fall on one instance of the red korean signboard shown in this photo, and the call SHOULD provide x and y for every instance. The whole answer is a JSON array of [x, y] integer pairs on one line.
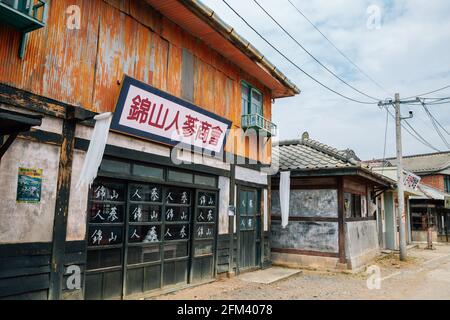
[[147, 112]]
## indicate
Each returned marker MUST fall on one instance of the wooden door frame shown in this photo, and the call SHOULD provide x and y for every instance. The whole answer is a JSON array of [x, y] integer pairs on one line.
[[258, 189]]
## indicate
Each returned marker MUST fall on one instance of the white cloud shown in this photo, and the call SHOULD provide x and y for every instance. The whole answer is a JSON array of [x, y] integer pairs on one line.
[[408, 54]]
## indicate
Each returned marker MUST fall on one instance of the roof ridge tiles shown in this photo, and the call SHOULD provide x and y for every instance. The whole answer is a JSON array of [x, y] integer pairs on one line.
[[328, 150]]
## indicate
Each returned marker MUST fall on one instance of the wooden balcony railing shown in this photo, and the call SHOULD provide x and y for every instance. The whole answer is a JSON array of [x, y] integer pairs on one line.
[[258, 123]]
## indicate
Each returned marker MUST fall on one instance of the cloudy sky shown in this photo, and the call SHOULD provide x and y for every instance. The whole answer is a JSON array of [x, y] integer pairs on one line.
[[408, 52]]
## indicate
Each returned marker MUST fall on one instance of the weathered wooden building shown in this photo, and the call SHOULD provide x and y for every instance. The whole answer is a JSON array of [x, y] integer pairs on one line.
[[332, 207], [152, 221]]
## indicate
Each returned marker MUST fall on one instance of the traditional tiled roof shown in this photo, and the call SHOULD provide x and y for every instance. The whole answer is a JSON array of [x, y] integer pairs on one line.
[[419, 164], [430, 193], [306, 154], [425, 163]]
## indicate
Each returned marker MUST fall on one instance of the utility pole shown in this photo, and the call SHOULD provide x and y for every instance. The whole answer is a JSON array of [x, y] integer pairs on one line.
[[400, 192], [400, 186]]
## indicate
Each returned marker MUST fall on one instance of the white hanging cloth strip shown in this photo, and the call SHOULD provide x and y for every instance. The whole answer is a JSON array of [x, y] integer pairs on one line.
[[96, 149], [285, 190]]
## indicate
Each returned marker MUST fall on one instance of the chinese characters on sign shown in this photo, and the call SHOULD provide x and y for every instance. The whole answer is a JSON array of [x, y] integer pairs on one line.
[[206, 215], [106, 214], [147, 112]]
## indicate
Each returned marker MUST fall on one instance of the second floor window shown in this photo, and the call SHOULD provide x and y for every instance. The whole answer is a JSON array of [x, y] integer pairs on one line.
[[252, 100]]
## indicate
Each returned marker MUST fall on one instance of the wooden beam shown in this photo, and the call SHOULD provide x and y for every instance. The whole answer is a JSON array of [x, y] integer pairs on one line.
[[20, 98], [41, 136], [306, 252], [7, 144], [61, 209], [231, 218], [307, 219]]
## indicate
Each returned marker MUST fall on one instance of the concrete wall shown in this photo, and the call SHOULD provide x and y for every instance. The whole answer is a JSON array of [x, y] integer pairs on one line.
[[302, 261], [22, 222], [308, 203], [361, 243], [316, 236], [305, 235]]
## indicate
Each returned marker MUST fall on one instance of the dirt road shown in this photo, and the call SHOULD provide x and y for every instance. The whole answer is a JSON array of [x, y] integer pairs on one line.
[[426, 275]]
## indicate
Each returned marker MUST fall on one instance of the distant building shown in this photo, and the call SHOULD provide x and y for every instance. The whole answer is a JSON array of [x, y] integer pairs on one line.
[[426, 204], [433, 168], [333, 209]]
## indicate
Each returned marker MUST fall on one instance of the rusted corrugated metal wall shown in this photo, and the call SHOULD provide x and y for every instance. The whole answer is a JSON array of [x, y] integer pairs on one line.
[[84, 67]]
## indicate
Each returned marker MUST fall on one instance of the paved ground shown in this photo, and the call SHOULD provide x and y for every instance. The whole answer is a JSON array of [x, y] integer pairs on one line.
[[426, 275]]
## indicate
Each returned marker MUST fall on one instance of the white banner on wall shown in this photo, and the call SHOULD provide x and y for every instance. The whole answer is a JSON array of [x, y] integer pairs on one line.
[[285, 190], [96, 149]]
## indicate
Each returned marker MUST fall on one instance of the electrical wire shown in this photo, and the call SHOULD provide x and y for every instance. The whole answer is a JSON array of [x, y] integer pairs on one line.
[[435, 123], [310, 54], [292, 62], [338, 50], [439, 132], [429, 114], [414, 132], [415, 135], [434, 101], [430, 92]]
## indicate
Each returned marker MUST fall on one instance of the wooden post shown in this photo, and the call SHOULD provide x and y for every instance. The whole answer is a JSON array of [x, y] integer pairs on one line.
[[62, 209], [341, 220], [231, 218], [429, 230]]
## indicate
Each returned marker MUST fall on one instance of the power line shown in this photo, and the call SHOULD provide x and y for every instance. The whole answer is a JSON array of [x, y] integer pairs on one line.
[[290, 61], [430, 92], [416, 135], [437, 103], [338, 50], [310, 54], [436, 99], [433, 121], [429, 114]]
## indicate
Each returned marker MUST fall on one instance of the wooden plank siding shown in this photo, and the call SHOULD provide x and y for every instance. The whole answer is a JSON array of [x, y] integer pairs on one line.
[[25, 268], [85, 67]]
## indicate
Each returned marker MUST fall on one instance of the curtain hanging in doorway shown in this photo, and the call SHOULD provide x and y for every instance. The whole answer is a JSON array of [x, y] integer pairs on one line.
[[285, 190], [96, 149]]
